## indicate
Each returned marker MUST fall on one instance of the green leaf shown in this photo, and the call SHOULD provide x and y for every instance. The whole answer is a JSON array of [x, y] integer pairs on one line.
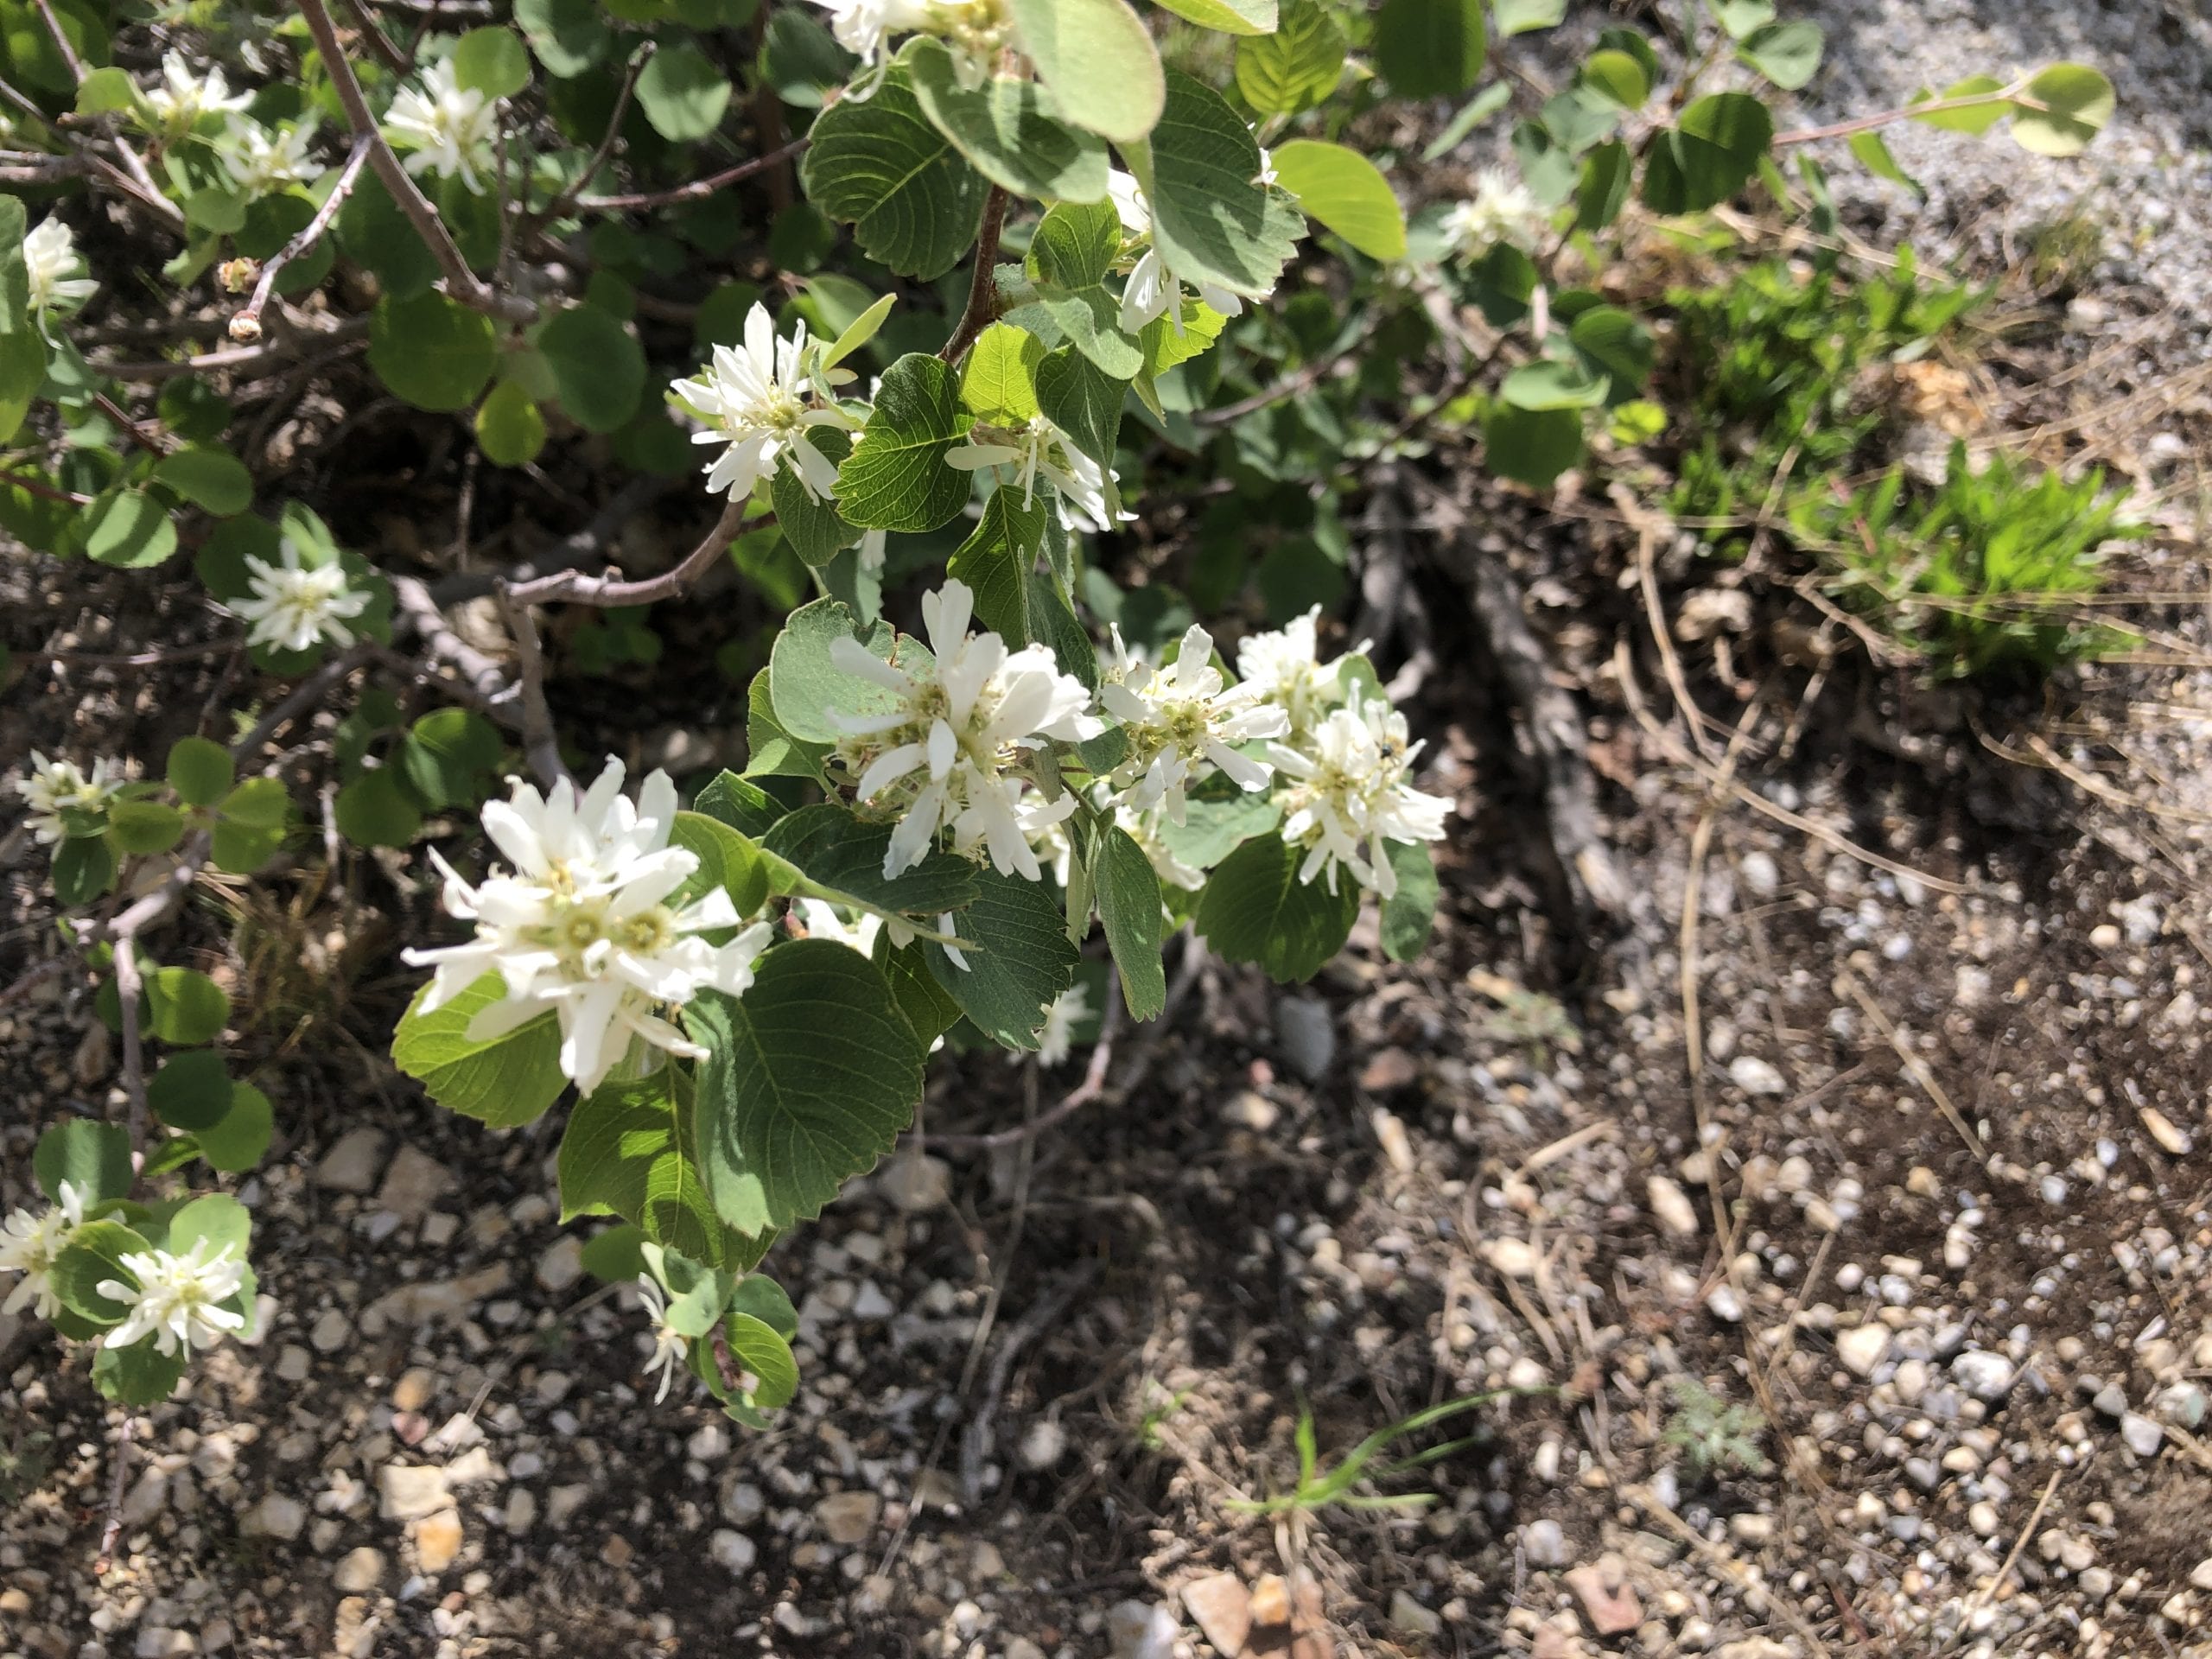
[[213, 478], [431, 352], [760, 1350], [598, 365], [1254, 909], [130, 530], [896, 477], [1292, 70], [1719, 145], [1214, 826], [928, 1006], [1007, 129], [1019, 962], [1603, 190], [1553, 383], [184, 1007], [1211, 221], [628, 1151], [841, 856], [998, 377], [1788, 54], [84, 868], [218, 1218], [15, 274], [2074, 103], [770, 751], [1227, 16], [616, 1253], [493, 61], [1975, 118], [996, 559], [1532, 447], [1097, 60], [1742, 17], [94, 1158], [504, 1082], [253, 817], [814, 527], [1617, 77], [746, 808], [94, 1253], [567, 36], [375, 233], [373, 810], [106, 92], [241, 1139], [200, 770], [1519, 16], [1873, 154], [1409, 913], [1345, 192], [801, 59], [1478, 110], [727, 860], [1084, 402], [1070, 254], [144, 827], [1430, 48], [1617, 347], [682, 94], [808, 1080], [878, 164], [140, 1374], [449, 756], [1128, 905], [807, 689]]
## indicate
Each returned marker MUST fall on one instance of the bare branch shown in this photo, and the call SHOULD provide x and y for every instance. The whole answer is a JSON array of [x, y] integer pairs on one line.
[[698, 190], [604, 592], [538, 741], [237, 357], [246, 325], [567, 199]]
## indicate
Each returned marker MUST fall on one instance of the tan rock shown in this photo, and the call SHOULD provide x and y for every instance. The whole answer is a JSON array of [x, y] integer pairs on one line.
[[437, 1541], [1270, 1603], [411, 1492], [848, 1517], [413, 1185], [1602, 1587], [1221, 1607]]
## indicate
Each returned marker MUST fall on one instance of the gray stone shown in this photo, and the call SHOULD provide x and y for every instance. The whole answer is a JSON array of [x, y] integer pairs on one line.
[[2142, 1434], [1988, 1377], [354, 1164], [1544, 1542], [563, 1264], [276, 1517], [1140, 1630], [1306, 1031]]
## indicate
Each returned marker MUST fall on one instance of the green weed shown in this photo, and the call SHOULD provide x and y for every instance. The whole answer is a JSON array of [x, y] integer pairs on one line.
[[1713, 1436], [1318, 1486]]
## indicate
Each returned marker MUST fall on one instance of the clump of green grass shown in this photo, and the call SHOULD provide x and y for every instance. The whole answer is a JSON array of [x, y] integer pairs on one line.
[[1712, 1436]]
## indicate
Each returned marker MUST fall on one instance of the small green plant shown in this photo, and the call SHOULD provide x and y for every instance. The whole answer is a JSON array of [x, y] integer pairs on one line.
[[1529, 1020], [1318, 1486], [1988, 574], [1712, 1436], [1159, 1406], [25, 1462], [1771, 367]]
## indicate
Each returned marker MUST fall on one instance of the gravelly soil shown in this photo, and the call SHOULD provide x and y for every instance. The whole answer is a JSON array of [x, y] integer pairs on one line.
[[1896, 1140]]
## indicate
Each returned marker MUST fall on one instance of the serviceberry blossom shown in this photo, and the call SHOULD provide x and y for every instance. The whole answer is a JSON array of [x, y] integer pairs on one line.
[[58, 282], [1284, 667], [1181, 722], [448, 128], [181, 98], [949, 756], [1057, 1036], [295, 606], [1348, 794], [759, 399], [822, 921], [671, 1349], [1039, 450], [176, 1299], [261, 162], [56, 788], [29, 1245], [581, 924], [1501, 210], [864, 27], [1152, 287]]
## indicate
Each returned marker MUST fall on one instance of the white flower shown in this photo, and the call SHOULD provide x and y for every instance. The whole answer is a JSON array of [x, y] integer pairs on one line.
[[177, 1299], [1182, 720], [671, 1349], [1348, 794], [581, 924], [1501, 210], [1152, 287], [759, 399], [863, 27], [449, 128], [1143, 829], [295, 607], [56, 788], [57, 271], [183, 97], [823, 922], [1284, 667], [1057, 1036], [951, 750], [1039, 450], [873, 547], [28, 1245], [260, 163]]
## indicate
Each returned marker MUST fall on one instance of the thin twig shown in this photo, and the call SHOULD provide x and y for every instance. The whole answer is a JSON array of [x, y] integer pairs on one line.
[[1093, 1087], [246, 325], [43, 491], [982, 287], [144, 436], [379, 42], [698, 190], [562, 203], [113, 1530], [975, 1438], [572, 552], [141, 183], [462, 283], [2013, 95], [538, 741], [1290, 385], [604, 592], [237, 357]]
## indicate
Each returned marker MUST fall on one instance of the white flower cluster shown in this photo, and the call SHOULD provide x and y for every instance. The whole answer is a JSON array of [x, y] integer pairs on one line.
[[1039, 450], [1502, 210], [55, 788], [261, 162], [973, 32], [55, 270], [759, 399], [29, 1245], [953, 755], [294, 607], [581, 924], [181, 98], [1344, 770], [449, 129], [176, 1299], [1183, 723]]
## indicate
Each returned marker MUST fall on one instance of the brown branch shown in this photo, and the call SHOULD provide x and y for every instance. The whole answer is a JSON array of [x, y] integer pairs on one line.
[[462, 284], [982, 287], [380, 44], [141, 183], [237, 357], [145, 438], [572, 552], [113, 1529], [567, 198], [538, 741], [698, 190], [44, 492], [606, 592], [246, 325], [1867, 122]]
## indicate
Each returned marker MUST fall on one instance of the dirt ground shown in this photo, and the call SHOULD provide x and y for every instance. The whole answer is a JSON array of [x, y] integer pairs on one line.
[[1855, 1073]]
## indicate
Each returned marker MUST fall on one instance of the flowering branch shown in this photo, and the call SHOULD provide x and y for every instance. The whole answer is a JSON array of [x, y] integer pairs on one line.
[[463, 284], [141, 183], [246, 325]]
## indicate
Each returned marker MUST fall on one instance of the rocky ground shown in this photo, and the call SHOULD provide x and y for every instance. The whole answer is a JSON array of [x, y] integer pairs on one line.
[[1871, 1105]]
